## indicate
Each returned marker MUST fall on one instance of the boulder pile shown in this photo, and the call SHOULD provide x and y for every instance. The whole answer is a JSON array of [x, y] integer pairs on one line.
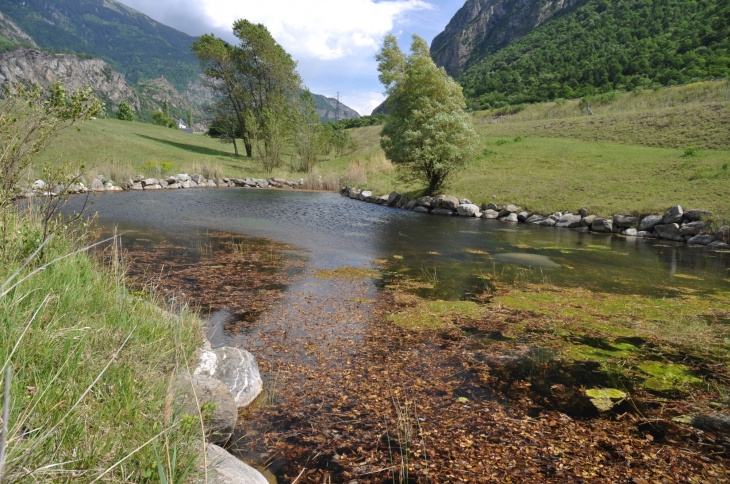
[[687, 226]]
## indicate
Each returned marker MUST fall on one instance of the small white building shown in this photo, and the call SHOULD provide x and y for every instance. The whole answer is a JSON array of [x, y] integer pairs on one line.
[[181, 124]]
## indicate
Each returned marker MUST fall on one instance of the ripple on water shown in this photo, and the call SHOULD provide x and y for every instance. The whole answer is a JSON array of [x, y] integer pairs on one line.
[[523, 259]]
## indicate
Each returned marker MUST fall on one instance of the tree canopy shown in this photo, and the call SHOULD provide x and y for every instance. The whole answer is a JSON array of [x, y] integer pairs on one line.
[[606, 45], [428, 133]]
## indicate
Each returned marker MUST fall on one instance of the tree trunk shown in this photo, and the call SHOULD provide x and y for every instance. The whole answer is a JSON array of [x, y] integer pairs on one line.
[[235, 146], [249, 147]]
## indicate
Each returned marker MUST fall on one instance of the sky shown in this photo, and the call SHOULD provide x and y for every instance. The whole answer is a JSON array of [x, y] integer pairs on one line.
[[334, 41]]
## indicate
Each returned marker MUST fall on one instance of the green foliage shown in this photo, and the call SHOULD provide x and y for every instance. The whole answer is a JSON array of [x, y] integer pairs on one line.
[[131, 42], [606, 45], [361, 122], [158, 167], [428, 132], [93, 365], [310, 136], [691, 151], [161, 119], [125, 112], [29, 119], [257, 82]]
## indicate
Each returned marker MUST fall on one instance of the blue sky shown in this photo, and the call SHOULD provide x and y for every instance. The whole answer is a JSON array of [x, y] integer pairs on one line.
[[334, 41]]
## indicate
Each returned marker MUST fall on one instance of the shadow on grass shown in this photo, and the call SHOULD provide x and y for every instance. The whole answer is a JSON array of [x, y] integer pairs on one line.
[[202, 150]]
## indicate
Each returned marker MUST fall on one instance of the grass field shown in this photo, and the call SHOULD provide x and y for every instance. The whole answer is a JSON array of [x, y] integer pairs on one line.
[[638, 152]]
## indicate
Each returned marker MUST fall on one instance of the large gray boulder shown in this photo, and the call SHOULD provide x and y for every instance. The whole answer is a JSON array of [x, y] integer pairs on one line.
[[669, 232], [695, 215], [490, 214], [674, 215], [410, 205], [404, 200], [183, 177], [694, 228], [535, 219], [186, 184], [630, 232], [718, 244], [364, 194], [236, 368], [569, 220], [468, 210], [625, 221], [199, 179], [647, 234], [547, 222], [723, 234], [393, 199], [494, 206], [602, 225], [587, 221], [649, 222], [207, 392], [97, 185], [39, 185], [227, 469], [150, 181], [424, 201], [450, 202], [421, 209], [511, 217], [163, 183], [702, 239], [508, 209], [137, 186], [523, 216]]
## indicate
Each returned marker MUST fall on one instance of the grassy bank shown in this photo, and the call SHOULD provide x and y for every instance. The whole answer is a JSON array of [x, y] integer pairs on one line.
[[638, 152], [91, 368]]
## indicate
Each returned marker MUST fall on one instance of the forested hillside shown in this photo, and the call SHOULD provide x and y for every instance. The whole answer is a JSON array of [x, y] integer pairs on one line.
[[131, 42], [605, 45]]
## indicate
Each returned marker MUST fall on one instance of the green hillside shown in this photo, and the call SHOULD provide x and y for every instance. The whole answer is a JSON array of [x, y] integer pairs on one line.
[[606, 45], [131, 42]]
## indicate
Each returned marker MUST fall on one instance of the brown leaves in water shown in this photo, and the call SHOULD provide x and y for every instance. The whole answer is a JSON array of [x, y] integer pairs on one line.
[[350, 397]]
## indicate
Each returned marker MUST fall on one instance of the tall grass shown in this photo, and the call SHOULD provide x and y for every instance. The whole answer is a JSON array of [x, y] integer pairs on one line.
[[91, 367]]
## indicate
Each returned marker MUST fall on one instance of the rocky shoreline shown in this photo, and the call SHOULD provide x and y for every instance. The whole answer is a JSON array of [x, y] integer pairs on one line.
[[691, 227]]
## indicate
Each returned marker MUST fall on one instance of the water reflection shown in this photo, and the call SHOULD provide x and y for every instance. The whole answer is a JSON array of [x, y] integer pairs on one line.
[[335, 231]]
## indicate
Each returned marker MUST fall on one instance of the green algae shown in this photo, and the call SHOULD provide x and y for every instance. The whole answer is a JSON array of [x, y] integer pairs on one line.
[[609, 393], [604, 353], [667, 376], [422, 314], [347, 273]]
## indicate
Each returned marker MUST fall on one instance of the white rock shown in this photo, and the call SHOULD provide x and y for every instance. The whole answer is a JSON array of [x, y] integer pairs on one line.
[[227, 469]]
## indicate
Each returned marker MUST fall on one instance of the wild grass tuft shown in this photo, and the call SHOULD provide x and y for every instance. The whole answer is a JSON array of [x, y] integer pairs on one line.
[[91, 366]]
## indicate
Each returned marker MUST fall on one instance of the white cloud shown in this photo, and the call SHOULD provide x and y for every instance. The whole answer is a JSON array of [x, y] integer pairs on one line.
[[319, 29], [363, 102]]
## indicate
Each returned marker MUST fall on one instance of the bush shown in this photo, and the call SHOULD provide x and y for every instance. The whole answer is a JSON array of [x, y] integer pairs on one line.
[[161, 119]]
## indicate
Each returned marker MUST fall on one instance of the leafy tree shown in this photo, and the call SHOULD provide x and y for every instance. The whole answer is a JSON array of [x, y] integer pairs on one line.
[[161, 119], [310, 137], [428, 133], [602, 46], [125, 112], [224, 123], [190, 119], [342, 141], [259, 80], [29, 119], [166, 108]]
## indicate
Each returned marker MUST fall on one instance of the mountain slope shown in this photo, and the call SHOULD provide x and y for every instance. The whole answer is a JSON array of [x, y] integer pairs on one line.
[[329, 109], [12, 36], [604, 45], [30, 66], [129, 41], [481, 27]]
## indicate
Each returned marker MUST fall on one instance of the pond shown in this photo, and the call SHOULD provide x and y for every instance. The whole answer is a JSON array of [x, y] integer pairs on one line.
[[304, 281]]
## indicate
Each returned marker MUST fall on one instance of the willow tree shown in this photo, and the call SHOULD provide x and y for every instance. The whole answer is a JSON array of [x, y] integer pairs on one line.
[[259, 80], [428, 133]]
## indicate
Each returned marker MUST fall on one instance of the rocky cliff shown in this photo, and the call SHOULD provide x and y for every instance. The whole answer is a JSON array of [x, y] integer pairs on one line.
[[327, 109], [481, 27], [32, 66]]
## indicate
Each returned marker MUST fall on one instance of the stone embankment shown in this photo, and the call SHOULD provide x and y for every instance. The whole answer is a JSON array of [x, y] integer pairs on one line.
[[140, 182], [687, 226]]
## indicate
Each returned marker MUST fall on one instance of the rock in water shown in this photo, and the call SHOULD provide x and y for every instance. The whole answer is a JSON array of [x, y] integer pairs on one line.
[[490, 214], [237, 369], [227, 469], [569, 220], [587, 221], [97, 185], [625, 221], [511, 217], [701, 239], [669, 232], [674, 215], [695, 215], [207, 392], [467, 209], [649, 222], [450, 202], [694, 228], [602, 225]]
